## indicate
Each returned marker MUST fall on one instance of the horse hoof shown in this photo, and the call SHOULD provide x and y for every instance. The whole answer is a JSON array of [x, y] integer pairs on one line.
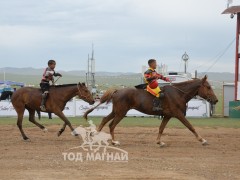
[[45, 130], [116, 143], [205, 143], [162, 144], [59, 133], [26, 139], [74, 133]]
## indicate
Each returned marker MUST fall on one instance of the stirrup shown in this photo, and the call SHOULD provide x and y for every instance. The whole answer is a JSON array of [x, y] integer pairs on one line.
[[43, 108]]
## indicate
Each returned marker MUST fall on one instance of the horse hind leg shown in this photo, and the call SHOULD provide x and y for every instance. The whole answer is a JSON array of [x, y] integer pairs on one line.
[[161, 128], [105, 120], [112, 126], [19, 124]]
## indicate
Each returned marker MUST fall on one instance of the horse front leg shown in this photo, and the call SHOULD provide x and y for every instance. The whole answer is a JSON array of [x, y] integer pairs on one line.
[[62, 129], [161, 128], [191, 128], [66, 122]]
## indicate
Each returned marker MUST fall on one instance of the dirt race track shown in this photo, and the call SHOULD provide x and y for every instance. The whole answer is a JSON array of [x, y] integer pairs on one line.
[[183, 158]]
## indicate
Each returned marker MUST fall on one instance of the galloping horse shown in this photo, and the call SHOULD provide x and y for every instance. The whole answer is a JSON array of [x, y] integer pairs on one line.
[[30, 99], [174, 104]]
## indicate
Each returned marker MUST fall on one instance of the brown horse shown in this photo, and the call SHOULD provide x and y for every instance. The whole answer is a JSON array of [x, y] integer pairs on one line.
[[174, 104], [30, 99]]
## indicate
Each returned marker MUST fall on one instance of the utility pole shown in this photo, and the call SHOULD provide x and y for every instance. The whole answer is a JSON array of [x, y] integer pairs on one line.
[[90, 75]]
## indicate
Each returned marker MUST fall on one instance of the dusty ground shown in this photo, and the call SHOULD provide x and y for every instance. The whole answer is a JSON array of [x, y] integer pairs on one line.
[[183, 158]]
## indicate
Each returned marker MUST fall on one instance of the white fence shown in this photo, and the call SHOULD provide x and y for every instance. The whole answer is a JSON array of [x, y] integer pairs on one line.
[[196, 108]]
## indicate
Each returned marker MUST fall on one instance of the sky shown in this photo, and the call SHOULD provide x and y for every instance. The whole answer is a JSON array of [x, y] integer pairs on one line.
[[125, 34]]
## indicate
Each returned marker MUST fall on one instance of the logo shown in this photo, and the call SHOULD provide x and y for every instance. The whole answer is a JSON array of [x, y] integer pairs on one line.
[[193, 107], [236, 108], [95, 147]]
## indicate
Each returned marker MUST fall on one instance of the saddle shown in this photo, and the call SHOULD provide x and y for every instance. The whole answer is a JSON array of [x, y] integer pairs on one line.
[[141, 86], [144, 86]]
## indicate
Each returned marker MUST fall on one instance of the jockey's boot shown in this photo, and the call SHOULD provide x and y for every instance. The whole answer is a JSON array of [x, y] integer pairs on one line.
[[44, 98], [157, 102]]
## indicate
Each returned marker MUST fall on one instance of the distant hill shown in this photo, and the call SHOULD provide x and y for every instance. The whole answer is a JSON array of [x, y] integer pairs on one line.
[[31, 75], [39, 71], [218, 76]]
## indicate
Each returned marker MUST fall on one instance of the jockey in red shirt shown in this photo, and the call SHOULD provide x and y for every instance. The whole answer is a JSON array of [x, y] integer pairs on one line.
[[46, 78], [151, 77]]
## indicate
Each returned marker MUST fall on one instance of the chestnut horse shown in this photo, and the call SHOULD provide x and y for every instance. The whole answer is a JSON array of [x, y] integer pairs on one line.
[[174, 104], [30, 98]]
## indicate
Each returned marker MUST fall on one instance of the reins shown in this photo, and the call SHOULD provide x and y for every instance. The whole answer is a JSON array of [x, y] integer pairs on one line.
[[179, 89], [183, 91]]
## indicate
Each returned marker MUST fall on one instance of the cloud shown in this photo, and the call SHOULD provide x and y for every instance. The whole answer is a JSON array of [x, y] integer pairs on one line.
[[125, 33]]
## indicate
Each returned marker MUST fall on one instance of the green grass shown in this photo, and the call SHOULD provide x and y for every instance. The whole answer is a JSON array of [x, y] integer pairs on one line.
[[134, 122]]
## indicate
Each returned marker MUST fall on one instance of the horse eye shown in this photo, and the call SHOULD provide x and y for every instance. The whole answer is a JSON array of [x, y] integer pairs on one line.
[[209, 87]]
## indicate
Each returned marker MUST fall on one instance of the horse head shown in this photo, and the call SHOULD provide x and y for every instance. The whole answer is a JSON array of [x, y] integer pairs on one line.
[[85, 94], [206, 91]]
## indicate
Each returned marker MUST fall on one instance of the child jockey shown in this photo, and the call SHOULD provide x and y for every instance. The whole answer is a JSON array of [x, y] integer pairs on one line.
[[151, 77], [47, 76]]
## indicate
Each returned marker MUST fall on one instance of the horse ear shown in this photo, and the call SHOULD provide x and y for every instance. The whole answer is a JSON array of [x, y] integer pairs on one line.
[[80, 84], [204, 78], [83, 84]]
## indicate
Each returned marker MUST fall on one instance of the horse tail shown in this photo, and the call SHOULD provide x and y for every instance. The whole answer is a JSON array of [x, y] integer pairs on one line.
[[107, 97]]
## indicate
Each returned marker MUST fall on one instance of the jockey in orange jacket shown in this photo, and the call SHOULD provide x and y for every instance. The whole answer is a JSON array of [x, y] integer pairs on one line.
[[151, 77]]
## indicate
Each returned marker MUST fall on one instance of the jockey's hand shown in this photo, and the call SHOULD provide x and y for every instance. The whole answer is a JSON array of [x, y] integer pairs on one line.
[[57, 74], [168, 80]]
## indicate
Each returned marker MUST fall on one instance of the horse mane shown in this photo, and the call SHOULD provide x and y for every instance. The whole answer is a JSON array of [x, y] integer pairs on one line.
[[185, 85], [185, 82], [64, 85]]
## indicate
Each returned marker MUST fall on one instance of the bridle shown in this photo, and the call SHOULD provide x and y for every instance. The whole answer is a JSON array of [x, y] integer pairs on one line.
[[207, 98], [81, 95], [185, 92]]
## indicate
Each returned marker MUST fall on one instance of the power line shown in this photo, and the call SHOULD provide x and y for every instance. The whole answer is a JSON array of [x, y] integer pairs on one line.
[[217, 57], [221, 55]]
